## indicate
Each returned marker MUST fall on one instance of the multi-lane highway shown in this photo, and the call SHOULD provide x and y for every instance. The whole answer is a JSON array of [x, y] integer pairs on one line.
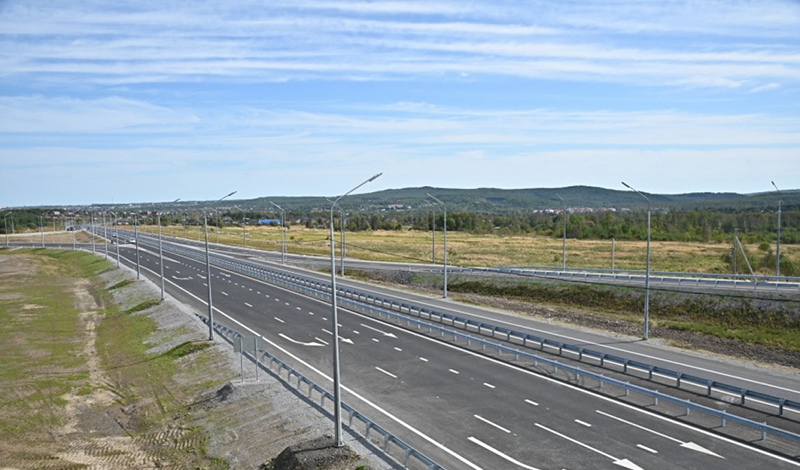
[[464, 409]]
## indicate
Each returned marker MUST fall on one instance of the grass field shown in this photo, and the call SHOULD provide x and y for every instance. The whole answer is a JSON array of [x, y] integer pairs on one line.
[[78, 387], [466, 249]]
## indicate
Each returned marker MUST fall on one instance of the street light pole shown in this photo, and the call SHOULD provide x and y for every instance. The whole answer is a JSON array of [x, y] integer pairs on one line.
[[136, 242], [116, 232], [647, 270], [444, 212], [91, 231], [5, 223], [778, 250], [105, 233], [283, 232], [433, 237], [208, 272], [564, 245], [41, 228], [337, 396], [161, 250]]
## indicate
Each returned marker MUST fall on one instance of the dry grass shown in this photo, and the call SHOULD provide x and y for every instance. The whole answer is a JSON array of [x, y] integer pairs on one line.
[[467, 249]]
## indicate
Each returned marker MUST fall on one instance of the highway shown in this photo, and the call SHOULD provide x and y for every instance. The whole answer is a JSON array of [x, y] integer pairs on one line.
[[463, 409]]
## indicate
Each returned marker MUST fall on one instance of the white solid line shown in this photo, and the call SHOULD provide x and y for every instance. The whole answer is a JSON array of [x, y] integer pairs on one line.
[[500, 454], [652, 451], [278, 319], [423, 359], [492, 424], [489, 385], [454, 371], [531, 402], [576, 442], [398, 349], [387, 373], [321, 341], [583, 423], [248, 305]]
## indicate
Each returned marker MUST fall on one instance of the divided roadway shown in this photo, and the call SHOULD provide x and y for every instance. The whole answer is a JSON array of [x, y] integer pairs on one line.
[[462, 409]]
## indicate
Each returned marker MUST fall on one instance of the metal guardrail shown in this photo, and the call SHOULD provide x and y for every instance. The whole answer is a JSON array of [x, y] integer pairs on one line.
[[322, 290], [389, 440], [677, 279]]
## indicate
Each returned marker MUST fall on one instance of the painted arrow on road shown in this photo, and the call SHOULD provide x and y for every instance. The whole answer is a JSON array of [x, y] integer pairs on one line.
[[345, 340], [298, 342], [687, 445], [390, 335], [624, 463]]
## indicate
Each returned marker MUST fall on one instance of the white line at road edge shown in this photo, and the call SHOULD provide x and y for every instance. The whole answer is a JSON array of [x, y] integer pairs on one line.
[[500, 454], [501, 363], [326, 377]]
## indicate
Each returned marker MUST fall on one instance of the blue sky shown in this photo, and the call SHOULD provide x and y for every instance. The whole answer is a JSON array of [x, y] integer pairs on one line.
[[123, 101]]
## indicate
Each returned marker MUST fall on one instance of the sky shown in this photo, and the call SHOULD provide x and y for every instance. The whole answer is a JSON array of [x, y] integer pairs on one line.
[[146, 101]]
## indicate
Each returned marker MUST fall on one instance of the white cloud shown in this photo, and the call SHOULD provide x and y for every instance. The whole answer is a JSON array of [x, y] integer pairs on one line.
[[767, 87]]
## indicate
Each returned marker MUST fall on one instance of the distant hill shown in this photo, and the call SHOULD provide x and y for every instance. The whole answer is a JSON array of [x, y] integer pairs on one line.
[[494, 200], [522, 200]]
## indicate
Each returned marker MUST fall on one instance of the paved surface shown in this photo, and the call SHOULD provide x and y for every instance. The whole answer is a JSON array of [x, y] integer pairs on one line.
[[463, 409]]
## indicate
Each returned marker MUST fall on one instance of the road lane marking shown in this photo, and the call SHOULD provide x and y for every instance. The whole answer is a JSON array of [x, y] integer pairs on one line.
[[423, 359], [288, 338], [454, 371], [489, 385], [376, 340], [652, 451], [248, 305], [398, 349], [387, 373], [647, 413], [531, 402], [391, 335], [278, 319], [182, 278], [311, 313], [687, 445], [583, 423], [224, 293], [356, 332], [625, 463], [321, 341], [500, 454], [298, 308], [481, 418]]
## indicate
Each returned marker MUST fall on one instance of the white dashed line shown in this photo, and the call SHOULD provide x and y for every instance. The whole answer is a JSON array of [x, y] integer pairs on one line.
[[248, 305], [311, 313], [387, 373], [376, 340], [652, 451], [423, 359], [298, 308], [583, 423], [356, 332], [489, 385], [224, 293], [531, 403], [493, 424], [455, 371], [398, 349]]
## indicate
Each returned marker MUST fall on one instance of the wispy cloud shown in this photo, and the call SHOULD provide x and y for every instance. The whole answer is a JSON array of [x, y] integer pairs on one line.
[[155, 42]]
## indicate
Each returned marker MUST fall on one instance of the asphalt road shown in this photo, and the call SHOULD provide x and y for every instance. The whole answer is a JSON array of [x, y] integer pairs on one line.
[[460, 408]]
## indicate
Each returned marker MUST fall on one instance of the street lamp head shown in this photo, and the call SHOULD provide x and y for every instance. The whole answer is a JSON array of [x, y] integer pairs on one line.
[[374, 177], [776, 187], [229, 195], [626, 185]]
